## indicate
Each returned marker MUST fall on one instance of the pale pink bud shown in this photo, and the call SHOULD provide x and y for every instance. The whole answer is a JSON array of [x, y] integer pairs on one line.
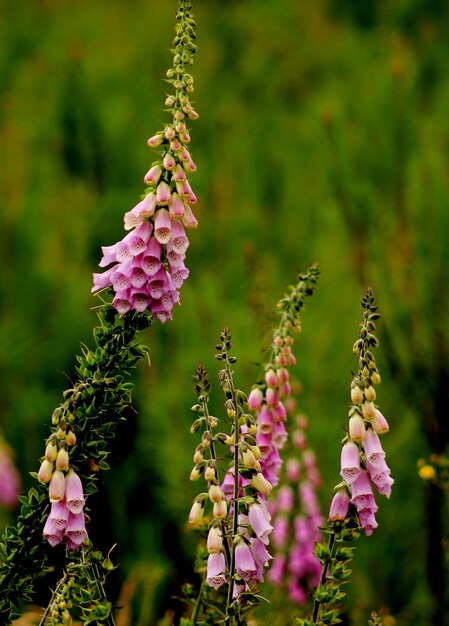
[[282, 374], [169, 162], [51, 451], [170, 133], [293, 470], [261, 484], [56, 489], [270, 378], [45, 471], [357, 428], [370, 394], [368, 410], [176, 206], [156, 140], [162, 193], [220, 509], [255, 398], [249, 460], [62, 460], [215, 493], [379, 423], [196, 512], [356, 395], [214, 540], [188, 219], [153, 175], [271, 396], [209, 473], [179, 176], [70, 438]]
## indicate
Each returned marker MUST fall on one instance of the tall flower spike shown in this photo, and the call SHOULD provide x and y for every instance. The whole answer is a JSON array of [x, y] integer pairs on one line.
[[165, 207], [268, 397], [363, 469]]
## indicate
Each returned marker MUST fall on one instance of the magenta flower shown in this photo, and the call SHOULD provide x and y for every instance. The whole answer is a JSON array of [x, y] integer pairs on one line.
[[216, 567]]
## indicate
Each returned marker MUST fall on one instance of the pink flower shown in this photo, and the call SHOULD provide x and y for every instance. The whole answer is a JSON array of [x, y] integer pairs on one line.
[[52, 533], [258, 518], [339, 506], [373, 448], [245, 564], [362, 492], [59, 514], [75, 529], [9, 477], [216, 567], [74, 495], [350, 462]]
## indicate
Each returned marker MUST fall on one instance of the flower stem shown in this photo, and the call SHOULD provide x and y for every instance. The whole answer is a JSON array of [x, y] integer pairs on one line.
[[326, 562]]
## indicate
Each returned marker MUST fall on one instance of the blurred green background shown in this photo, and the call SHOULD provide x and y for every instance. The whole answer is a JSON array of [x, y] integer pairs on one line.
[[323, 136]]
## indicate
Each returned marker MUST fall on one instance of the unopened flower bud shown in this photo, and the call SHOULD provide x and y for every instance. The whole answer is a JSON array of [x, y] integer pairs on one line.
[[339, 506], [220, 509], [70, 438], [62, 460], [270, 378], [249, 460], [215, 493], [356, 395], [156, 140], [198, 456], [209, 472], [260, 483], [368, 410], [375, 377], [255, 398], [51, 450], [45, 471], [153, 175], [195, 473], [379, 424], [370, 394], [57, 486], [357, 428], [196, 512], [170, 133], [214, 540]]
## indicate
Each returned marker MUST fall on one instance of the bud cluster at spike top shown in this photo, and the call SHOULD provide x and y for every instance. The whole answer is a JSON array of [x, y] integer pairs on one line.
[[148, 267], [363, 462]]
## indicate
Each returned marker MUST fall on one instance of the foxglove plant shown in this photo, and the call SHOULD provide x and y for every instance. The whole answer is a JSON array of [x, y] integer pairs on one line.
[[147, 274], [238, 524], [147, 266], [363, 468]]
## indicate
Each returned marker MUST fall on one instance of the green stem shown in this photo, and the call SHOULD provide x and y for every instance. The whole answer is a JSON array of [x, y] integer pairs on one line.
[[236, 488], [325, 569]]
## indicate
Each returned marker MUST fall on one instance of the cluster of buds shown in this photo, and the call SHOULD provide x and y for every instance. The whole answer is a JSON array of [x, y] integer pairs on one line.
[[296, 519], [9, 476], [239, 524], [362, 457], [268, 396], [148, 263], [66, 518]]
